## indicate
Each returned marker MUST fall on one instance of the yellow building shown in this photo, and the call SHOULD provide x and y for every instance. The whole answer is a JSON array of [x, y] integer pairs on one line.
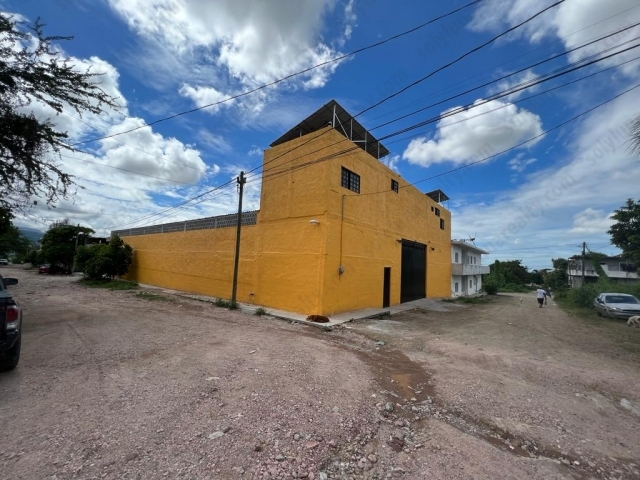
[[336, 231]]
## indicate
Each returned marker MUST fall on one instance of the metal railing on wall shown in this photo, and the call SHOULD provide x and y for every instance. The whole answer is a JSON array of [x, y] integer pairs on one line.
[[221, 221]]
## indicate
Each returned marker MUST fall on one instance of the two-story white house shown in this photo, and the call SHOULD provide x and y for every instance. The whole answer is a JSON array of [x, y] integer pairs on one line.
[[466, 268], [614, 267]]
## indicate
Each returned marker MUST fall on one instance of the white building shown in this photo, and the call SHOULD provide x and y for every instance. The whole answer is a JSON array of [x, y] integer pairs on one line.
[[614, 267], [466, 268]]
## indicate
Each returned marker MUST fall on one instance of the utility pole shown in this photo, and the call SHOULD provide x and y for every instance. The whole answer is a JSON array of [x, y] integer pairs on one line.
[[241, 181], [73, 264], [584, 246]]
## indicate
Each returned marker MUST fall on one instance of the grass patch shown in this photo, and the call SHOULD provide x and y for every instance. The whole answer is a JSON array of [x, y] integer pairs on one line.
[[615, 329], [222, 303], [468, 300], [153, 297], [260, 312], [109, 285]]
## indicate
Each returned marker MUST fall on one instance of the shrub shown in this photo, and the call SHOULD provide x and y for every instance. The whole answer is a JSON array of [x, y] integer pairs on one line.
[[260, 312], [490, 287], [105, 260]]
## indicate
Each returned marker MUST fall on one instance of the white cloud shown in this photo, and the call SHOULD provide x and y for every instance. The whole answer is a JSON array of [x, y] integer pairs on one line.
[[516, 81], [590, 221], [251, 41], [575, 21], [519, 164], [120, 179], [202, 96], [392, 162], [566, 203], [474, 134], [350, 18], [255, 151]]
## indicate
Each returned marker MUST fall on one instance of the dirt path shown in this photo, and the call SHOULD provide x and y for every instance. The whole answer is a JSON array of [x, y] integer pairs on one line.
[[112, 385], [564, 387]]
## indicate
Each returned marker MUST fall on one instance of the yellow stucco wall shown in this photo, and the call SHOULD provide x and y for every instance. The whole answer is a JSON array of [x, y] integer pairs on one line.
[[199, 261], [291, 264]]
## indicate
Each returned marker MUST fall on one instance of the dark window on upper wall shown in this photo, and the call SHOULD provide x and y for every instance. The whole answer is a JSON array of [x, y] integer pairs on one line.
[[432, 208], [442, 224], [437, 212], [394, 186], [350, 180]]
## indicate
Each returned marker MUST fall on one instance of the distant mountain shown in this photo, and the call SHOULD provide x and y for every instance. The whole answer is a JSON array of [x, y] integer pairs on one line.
[[31, 233]]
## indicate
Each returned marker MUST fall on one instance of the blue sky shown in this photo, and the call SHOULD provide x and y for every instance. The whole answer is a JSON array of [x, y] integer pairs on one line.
[[160, 57]]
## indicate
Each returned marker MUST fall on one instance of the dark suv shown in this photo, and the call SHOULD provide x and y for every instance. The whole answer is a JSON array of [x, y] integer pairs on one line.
[[10, 326]]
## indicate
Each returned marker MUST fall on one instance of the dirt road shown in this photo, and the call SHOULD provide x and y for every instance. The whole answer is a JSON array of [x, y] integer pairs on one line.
[[561, 385], [114, 385]]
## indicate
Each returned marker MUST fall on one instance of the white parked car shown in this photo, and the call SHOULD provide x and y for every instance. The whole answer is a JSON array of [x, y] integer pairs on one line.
[[617, 305]]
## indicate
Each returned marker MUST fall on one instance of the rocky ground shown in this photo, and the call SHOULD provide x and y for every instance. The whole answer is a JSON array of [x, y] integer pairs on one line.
[[122, 385]]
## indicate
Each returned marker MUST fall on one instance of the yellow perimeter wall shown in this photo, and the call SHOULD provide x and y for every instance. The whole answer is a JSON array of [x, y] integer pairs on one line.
[[290, 264]]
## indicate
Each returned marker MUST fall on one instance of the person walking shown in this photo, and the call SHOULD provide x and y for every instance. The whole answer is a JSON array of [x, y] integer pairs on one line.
[[541, 295]]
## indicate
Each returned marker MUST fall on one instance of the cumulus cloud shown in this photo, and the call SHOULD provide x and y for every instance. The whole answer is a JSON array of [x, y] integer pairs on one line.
[[575, 22], [249, 41], [548, 208], [591, 221], [475, 133], [122, 178]]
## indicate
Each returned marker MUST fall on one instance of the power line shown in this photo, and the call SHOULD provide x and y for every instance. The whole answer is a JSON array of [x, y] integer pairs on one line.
[[289, 151], [519, 57], [439, 117], [526, 84], [527, 141], [433, 72], [280, 80], [126, 170], [164, 158], [504, 77], [489, 42], [508, 91]]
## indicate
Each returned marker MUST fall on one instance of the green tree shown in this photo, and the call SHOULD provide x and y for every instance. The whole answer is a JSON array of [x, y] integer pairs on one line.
[[510, 272], [12, 240], [625, 233], [558, 278], [105, 260], [32, 70], [58, 245], [537, 277], [5, 220]]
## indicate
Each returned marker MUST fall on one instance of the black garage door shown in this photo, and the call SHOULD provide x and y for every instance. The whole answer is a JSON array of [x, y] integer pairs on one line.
[[414, 271]]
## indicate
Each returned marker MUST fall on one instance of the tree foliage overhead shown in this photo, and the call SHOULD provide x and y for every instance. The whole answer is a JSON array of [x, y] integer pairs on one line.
[[625, 233], [32, 70], [105, 260], [58, 245]]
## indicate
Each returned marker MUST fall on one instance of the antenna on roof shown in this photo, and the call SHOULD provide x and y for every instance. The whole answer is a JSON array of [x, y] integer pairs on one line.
[[472, 239]]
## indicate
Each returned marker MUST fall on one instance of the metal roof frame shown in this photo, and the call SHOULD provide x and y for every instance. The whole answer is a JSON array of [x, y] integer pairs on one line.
[[338, 118]]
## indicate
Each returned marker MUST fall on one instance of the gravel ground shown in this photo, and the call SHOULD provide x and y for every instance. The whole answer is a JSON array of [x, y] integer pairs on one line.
[[537, 381], [112, 384]]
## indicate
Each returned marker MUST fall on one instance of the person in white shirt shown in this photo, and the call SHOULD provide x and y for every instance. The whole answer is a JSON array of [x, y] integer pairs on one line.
[[541, 295]]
